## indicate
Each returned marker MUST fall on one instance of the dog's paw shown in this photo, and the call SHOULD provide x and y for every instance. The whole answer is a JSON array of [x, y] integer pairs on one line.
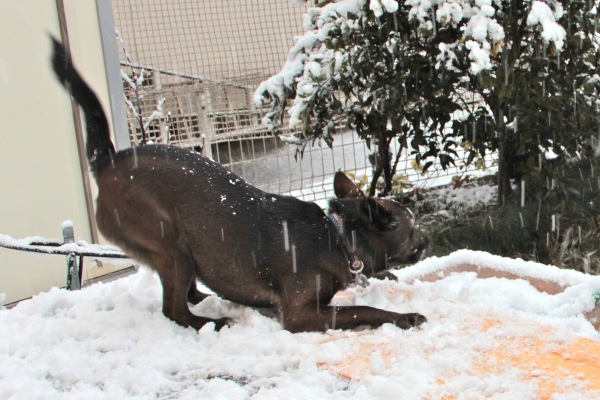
[[222, 322], [385, 275], [411, 320]]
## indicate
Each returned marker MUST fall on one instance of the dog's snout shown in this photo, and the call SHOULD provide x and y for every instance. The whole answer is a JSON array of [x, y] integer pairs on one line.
[[421, 245], [424, 241]]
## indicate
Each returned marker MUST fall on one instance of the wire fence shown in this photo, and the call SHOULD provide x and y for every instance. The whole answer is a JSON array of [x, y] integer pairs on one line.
[[190, 69]]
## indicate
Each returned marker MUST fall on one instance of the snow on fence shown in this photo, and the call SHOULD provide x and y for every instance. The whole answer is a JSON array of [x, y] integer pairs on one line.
[[190, 69]]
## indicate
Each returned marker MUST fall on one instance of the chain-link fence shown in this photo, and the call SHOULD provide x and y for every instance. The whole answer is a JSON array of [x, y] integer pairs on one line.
[[190, 69]]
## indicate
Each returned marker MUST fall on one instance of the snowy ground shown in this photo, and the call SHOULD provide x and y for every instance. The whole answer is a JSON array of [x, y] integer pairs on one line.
[[111, 341]]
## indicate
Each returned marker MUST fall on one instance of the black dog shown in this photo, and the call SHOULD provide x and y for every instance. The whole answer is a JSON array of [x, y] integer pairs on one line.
[[189, 218]]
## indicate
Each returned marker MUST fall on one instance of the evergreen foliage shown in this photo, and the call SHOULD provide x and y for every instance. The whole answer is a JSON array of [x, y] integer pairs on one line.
[[519, 77]]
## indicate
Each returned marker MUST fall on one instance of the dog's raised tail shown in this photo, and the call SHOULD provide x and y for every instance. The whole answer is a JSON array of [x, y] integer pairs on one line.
[[99, 148]]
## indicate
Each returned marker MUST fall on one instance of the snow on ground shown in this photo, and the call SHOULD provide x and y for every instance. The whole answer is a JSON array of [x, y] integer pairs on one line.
[[111, 341]]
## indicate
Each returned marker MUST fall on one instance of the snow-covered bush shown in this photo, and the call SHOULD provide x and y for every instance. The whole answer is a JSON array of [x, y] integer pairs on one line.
[[517, 76]]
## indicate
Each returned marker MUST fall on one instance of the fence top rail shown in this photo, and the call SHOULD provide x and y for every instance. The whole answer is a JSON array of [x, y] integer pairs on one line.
[[185, 75], [37, 244]]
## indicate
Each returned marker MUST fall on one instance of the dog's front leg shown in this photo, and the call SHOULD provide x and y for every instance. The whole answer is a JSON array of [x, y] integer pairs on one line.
[[309, 318], [305, 307], [385, 275]]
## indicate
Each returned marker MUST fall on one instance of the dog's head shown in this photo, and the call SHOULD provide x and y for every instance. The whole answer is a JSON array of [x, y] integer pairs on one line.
[[383, 232]]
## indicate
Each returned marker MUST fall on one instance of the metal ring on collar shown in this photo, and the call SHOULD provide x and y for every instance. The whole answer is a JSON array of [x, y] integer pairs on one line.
[[357, 267]]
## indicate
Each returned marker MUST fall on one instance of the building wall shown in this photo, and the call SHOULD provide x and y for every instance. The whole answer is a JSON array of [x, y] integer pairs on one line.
[[215, 39], [41, 178], [41, 182]]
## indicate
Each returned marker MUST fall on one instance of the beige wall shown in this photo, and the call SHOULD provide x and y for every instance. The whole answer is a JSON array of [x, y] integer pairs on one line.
[[41, 183], [40, 175]]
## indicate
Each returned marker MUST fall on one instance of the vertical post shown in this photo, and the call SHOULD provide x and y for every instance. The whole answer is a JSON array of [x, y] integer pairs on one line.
[[113, 74], [205, 103], [73, 279], [79, 131]]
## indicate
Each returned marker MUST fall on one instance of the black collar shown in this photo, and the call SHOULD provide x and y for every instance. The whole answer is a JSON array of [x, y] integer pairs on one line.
[[354, 263], [338, 224]]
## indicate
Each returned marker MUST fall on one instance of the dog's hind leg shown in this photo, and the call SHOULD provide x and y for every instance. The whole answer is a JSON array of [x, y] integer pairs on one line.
[[194, 295], [176, 270]]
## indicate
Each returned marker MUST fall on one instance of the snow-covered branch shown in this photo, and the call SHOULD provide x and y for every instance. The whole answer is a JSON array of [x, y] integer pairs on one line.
[[156, 114], [313, 59], [308, 60]]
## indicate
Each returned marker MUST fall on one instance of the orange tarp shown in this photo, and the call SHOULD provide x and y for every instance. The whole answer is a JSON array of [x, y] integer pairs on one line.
[[539, 360], [547, 358]]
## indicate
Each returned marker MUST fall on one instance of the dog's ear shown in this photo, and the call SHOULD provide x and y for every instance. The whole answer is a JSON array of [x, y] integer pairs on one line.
[[364, 212], [378, 214], [344, 188]]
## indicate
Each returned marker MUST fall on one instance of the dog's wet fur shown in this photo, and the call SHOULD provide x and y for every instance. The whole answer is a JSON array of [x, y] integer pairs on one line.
[[188, 218]]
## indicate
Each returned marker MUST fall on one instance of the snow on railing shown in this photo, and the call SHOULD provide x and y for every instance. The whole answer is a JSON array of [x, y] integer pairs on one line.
[[75, 251]]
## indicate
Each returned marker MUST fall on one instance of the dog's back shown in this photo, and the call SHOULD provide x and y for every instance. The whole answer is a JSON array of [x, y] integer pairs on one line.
[[158, 199]]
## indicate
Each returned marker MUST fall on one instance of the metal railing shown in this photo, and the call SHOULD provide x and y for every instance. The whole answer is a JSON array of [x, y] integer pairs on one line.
[[74, 251]]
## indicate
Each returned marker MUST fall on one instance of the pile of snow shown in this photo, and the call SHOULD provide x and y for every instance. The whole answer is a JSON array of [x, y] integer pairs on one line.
[[112, 341], [448, 201]]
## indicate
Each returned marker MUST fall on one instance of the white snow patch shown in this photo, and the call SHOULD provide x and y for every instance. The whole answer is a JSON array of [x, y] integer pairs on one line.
[[111, 340]]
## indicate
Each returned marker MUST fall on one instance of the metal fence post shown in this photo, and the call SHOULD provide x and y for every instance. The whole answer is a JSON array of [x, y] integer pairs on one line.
[[73, 279]]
